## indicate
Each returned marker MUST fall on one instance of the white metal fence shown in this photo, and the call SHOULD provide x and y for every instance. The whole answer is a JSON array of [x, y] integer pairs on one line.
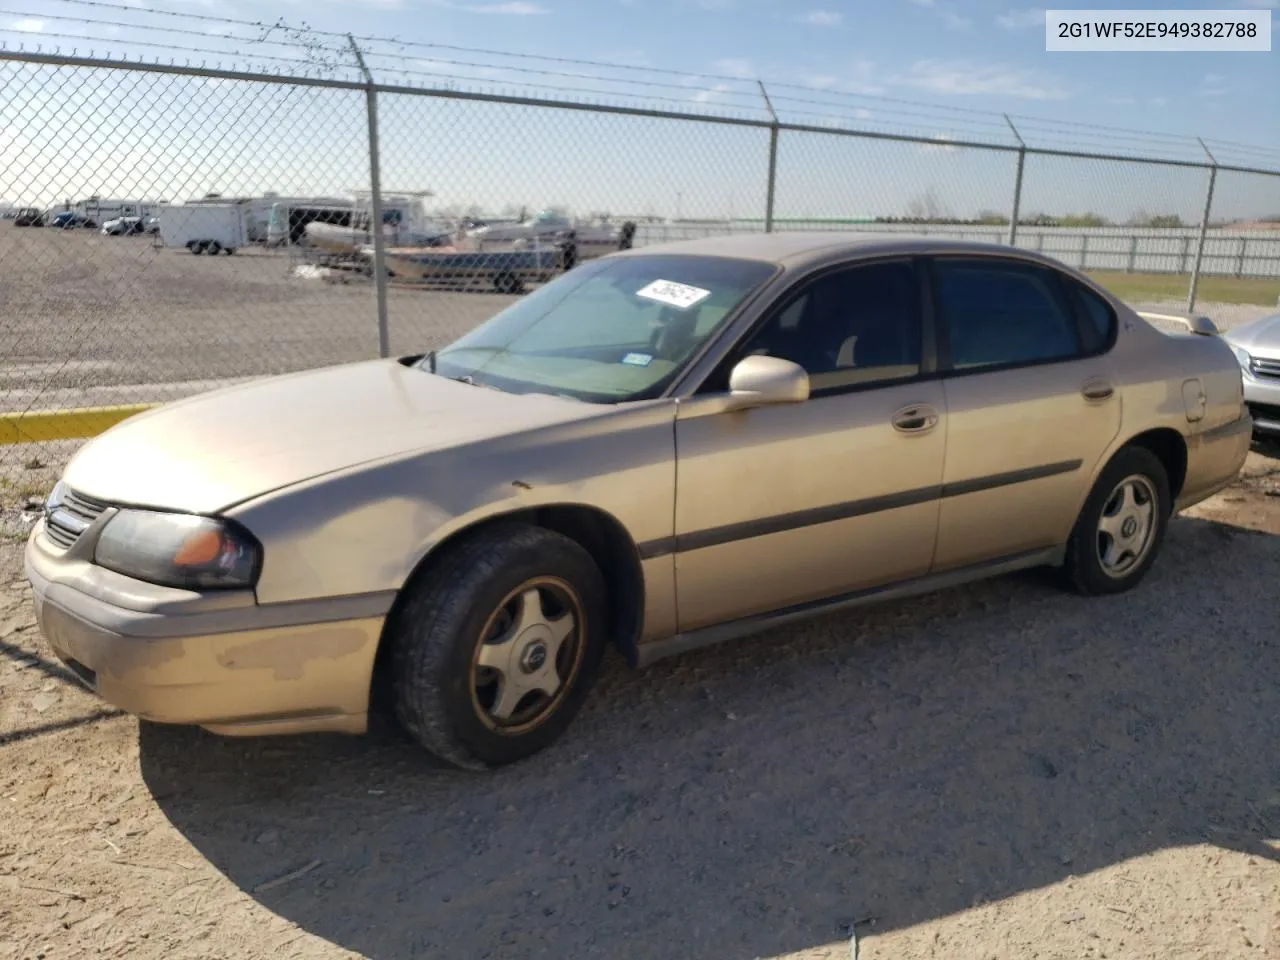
[[89, 321]]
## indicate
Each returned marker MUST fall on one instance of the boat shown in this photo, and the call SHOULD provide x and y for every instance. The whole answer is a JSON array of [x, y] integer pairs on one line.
[[580, 239], [405, 223], [507, 270]]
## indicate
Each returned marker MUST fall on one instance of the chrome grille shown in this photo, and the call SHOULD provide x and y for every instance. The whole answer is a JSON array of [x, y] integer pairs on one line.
[[1262, 367], [72, 517]]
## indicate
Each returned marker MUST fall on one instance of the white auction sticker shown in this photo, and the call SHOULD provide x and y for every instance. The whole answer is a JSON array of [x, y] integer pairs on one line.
[[1156, 31], [678, 295]]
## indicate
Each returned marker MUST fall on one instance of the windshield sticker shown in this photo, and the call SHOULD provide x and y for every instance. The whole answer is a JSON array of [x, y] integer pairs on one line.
[[638, 359], [678, 295]]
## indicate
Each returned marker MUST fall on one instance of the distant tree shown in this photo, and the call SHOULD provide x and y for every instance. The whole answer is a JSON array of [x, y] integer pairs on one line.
[[1083, 220], [927, 208], [1144, 219], [992, 218], [1039, 220]]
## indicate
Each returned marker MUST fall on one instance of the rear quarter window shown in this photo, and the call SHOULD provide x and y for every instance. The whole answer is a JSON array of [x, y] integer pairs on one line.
[[1100, 318]]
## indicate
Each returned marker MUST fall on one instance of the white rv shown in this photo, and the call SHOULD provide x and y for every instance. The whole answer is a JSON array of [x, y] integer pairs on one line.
[[287, 224], [98, 210]]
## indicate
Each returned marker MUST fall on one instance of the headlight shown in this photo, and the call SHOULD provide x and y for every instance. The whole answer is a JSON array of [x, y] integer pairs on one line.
[[55, 498], [1242, 357], [178, 550]]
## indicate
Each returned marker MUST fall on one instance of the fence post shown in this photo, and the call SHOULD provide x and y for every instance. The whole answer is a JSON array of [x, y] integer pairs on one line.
[[1017, 184], [1244, 245], [375, 204], [1084, 251], [1133, 253], [1204, 229], [773, 161]]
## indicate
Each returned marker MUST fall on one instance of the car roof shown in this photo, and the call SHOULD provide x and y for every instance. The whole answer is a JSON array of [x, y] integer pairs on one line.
[[800, 248]]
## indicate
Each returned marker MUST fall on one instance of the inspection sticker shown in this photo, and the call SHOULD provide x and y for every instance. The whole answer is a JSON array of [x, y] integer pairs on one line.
[[638, 359], [678, 295]]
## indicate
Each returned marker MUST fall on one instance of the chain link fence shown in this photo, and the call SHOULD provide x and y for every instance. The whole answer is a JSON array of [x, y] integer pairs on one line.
[[177, 228]]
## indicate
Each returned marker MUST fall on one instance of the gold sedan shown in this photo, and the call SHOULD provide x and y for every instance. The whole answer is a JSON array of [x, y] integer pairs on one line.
[[660, 449]]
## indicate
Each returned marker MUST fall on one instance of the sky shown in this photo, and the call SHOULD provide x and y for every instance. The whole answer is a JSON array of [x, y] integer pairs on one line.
[[945, 69]]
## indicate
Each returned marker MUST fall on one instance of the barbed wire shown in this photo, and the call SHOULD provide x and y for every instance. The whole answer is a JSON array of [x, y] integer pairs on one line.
[[708, 93]]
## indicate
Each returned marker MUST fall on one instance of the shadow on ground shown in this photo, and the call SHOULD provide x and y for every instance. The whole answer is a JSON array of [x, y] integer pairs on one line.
[[901, 763]]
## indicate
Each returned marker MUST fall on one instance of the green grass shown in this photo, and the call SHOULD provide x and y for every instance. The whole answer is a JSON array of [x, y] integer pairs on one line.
[[1173, 286]]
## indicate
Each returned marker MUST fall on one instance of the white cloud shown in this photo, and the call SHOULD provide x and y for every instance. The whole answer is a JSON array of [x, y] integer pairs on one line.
[[513, 8], [821, 81], [1214, 85], [1159, 101], [735, 68], [822, 18], [715, 4], [707, 96], [1259, 4], [1021, 19], [967, 78], [946, 12], [27, 25], [861, 114]]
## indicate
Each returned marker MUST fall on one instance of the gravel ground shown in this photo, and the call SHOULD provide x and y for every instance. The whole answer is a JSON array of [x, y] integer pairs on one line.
[[1003, 770]]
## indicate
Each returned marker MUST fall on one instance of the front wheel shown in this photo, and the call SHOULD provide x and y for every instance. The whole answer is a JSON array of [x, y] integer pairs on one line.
[[1122, 526], [495, 646]]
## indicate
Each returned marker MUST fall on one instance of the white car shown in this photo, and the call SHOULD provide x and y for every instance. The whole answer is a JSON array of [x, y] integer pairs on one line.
[[124, 226], [1257, 347]]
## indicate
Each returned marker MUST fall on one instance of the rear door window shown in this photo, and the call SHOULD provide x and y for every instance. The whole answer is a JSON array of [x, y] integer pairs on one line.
[[996, 313]]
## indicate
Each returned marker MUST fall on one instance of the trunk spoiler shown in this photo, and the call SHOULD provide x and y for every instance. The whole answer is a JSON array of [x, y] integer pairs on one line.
[[1196, 323]]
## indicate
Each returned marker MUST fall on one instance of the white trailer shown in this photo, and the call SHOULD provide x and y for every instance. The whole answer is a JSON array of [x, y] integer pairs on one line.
[[211, 228]]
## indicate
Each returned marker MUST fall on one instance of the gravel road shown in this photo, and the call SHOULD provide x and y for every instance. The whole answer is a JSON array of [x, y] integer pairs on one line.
[[1003, 770]]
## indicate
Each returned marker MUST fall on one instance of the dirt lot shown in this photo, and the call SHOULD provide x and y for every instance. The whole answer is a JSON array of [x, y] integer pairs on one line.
[[80, 312], [1003, 770]]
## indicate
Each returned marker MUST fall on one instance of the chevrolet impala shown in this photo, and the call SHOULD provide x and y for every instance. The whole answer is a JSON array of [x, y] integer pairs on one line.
[[660, 449]]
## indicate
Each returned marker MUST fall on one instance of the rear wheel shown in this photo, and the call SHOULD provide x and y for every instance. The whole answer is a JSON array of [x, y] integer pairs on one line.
[[494, 648], [1122, 526], [197, 248], [214, 248]]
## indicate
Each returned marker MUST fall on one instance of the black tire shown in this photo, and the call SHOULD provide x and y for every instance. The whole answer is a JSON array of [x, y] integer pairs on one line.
[[436, 632], [1083, 568], [214, 248], [197, 248], [229, 250]]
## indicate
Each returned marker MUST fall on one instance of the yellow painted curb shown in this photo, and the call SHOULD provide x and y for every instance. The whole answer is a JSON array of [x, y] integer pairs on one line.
[[36, 425]]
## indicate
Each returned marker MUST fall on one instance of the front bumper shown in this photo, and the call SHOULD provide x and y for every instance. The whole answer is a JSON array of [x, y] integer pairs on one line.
[[1262, 394], [218, 661]]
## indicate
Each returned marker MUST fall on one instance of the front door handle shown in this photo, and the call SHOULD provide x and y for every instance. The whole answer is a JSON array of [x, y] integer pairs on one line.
[[1097, 389], [917, 418]]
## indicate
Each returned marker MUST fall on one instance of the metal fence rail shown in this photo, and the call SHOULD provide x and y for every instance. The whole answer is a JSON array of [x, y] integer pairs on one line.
[[94, 321]]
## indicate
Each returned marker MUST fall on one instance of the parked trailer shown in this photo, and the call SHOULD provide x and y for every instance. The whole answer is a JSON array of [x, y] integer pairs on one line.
[[211, 228]]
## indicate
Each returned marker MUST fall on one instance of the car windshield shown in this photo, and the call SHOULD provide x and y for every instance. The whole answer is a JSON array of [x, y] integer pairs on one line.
[[608, 331]]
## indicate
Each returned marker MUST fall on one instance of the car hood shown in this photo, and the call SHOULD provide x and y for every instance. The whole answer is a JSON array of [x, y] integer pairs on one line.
[[1261, 336], [213, 450]]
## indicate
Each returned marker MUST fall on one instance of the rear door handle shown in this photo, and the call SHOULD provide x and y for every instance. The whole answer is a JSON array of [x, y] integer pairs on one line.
[[917, 418], [1098, 389]]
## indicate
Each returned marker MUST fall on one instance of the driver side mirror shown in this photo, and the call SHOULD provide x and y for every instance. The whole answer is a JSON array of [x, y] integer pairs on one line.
[[760, 381]]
